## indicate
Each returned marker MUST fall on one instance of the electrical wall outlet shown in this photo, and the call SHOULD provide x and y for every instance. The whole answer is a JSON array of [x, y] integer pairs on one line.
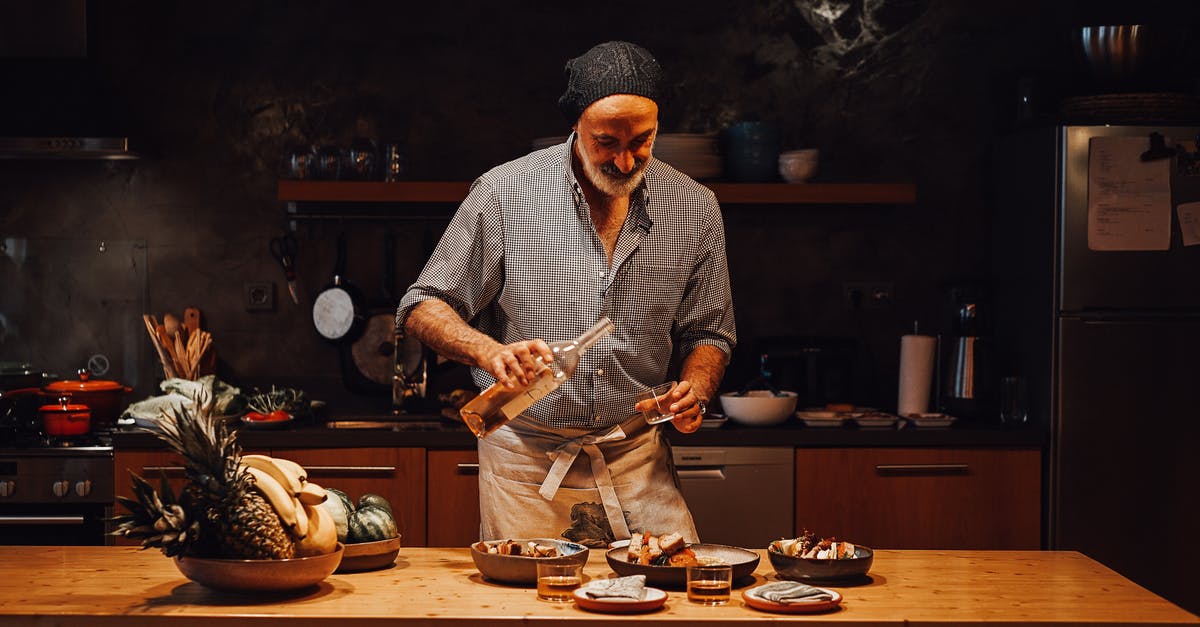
[[866, 295], [259, 296]]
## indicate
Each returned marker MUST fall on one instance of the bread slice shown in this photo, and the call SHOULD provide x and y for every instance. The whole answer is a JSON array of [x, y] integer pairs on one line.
[[636, 542], [655, 548], [671, 543]]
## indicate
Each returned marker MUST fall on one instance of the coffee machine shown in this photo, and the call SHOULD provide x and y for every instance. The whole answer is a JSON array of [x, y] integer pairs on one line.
[[966, 386]]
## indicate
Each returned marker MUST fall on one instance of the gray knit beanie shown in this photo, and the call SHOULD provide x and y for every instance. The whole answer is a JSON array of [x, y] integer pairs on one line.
[[613, 67]]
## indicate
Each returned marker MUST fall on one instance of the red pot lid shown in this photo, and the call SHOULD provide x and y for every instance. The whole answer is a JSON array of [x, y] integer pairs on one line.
[[84, 384], [63, 405]]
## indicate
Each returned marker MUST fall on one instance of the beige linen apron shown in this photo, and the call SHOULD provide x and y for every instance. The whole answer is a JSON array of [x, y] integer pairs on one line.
[[531, 476]]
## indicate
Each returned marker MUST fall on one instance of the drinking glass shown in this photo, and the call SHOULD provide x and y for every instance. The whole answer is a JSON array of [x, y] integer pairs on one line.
[[1014, 400], [661, 412], [709, 584], [556, 582]]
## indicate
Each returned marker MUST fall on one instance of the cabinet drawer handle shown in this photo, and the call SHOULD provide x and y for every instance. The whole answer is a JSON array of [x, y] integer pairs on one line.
[[468, 469], [701, 473], [915, 469], [343, 470], [41, 520], [170, 469]]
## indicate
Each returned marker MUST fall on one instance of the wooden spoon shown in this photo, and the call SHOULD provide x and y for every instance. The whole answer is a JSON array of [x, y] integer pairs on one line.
[[172, 324]]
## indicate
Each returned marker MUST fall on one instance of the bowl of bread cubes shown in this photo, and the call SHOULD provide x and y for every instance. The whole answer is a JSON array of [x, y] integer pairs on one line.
[[515, 560]]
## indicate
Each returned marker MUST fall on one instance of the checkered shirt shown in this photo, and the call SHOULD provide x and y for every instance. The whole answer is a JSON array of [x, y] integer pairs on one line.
[[521, 259]]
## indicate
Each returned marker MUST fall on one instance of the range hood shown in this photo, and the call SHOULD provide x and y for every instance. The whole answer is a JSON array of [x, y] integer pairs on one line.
[[66, 148], [57, 105]]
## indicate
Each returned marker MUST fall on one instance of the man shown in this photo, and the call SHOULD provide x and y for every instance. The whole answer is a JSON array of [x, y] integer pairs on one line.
[[541, 248]]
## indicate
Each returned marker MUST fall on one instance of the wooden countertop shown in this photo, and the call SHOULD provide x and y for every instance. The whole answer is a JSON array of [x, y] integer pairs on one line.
[[101, 586]]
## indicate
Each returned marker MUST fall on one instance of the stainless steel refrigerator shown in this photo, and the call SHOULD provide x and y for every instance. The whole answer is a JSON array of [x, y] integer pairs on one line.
[[1109, 340]]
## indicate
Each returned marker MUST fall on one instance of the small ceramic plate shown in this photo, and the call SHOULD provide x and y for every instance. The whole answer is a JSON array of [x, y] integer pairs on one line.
[[753, 600], [821, 418], [931, 420], [876, 421], [655, 599]]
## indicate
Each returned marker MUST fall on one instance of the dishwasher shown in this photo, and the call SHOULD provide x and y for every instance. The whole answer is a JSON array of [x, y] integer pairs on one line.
[[739, 495]]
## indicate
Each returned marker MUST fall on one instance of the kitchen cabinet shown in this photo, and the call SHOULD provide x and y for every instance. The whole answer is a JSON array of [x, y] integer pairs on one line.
[[397, 474], [151, 465], [922, 498], [453, 510]]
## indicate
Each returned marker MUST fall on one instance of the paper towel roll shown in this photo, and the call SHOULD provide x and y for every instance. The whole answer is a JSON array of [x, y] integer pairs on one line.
[[916, 373]]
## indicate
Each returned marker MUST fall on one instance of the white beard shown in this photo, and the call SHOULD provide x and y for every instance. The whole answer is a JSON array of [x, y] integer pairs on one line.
[[609, 180]]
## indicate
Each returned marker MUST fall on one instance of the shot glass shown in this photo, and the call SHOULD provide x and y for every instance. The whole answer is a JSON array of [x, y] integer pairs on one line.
[[556, 582], [661, 411], [709, 584]]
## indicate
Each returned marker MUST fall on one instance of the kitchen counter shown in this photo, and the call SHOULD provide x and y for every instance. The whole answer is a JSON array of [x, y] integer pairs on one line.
[[430, 431], [99, 586]]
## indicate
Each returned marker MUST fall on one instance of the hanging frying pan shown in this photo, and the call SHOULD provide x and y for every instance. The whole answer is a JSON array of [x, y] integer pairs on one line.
[[373, 353], [338, 309]]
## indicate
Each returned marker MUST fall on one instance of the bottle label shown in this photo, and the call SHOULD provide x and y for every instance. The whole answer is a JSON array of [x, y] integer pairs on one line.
[[537, 389]]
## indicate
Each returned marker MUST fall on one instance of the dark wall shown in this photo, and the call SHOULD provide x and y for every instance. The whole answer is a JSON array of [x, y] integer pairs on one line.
[[888, 90]]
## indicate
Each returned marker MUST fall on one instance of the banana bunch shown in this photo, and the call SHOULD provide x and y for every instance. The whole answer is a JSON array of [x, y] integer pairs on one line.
[[285, 485]]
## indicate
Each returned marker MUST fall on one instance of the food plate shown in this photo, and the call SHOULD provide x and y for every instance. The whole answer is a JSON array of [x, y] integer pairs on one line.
[[821, 418], [753, 600], [876, 421], [267, 424], [655, 599], [928, 421], [743, 562]]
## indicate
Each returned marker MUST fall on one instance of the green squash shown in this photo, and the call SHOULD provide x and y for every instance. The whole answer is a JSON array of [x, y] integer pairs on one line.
[[340, 506], [371, 524], [376, 501]]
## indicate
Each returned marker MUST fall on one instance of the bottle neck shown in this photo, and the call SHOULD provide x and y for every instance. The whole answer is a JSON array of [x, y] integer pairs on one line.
[[597, 331]]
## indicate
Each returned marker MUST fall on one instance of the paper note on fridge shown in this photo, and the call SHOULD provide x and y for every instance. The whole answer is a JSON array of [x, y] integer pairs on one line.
[[1189, 222], [1129, 200]]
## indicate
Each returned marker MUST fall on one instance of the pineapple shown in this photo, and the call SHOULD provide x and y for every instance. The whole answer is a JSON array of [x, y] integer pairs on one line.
[[220, 514]]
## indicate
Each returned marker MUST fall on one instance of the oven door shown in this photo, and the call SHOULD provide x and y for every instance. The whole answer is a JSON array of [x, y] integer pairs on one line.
[[75, 524]]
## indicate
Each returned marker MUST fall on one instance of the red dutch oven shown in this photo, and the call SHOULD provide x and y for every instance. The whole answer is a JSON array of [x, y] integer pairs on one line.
[[104, 398], [65, 418]]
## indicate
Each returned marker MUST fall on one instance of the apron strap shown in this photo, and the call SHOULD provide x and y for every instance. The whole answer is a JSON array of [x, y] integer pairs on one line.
[[564, 456]]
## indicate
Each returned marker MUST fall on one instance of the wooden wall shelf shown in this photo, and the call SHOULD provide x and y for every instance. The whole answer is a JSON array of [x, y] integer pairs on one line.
[[727, 193]]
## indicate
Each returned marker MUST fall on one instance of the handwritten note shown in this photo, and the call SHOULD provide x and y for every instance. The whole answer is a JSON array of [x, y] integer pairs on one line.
[[1129, 201], [1189, 222]]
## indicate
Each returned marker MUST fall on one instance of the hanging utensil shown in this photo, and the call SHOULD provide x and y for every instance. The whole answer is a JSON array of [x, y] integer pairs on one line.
[[338, 310], [283, 249]]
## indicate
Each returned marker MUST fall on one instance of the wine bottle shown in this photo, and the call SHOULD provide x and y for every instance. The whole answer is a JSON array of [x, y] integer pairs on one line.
[[499, 404]]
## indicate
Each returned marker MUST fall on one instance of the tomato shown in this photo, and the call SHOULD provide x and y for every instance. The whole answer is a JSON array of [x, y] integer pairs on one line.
[[253, 415], [279, 414]]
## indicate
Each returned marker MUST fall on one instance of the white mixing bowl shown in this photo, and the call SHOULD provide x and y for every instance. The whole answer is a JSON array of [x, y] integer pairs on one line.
[[759, 407]]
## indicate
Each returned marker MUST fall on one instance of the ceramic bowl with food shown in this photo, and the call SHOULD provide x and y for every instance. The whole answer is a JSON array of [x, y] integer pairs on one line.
[[759, 407], [743, 562], [810, 569], [260, 575], [523, 568]]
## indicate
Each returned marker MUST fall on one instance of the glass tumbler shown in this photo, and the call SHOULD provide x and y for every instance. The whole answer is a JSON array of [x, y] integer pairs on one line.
[[709, 584], [1014, 400], [556, 582]]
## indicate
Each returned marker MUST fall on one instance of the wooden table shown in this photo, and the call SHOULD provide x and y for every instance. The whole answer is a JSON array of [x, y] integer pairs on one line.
[[101, 586]]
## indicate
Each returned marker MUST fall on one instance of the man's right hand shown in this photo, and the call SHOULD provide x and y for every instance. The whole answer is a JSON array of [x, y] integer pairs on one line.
[[515, 364]]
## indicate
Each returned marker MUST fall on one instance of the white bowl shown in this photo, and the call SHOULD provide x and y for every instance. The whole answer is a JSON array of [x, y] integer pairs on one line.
[[759, 407], [798, 166]]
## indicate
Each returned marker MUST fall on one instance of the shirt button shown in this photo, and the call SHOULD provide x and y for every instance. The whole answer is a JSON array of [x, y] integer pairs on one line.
[[600, 274], [600, 372]]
